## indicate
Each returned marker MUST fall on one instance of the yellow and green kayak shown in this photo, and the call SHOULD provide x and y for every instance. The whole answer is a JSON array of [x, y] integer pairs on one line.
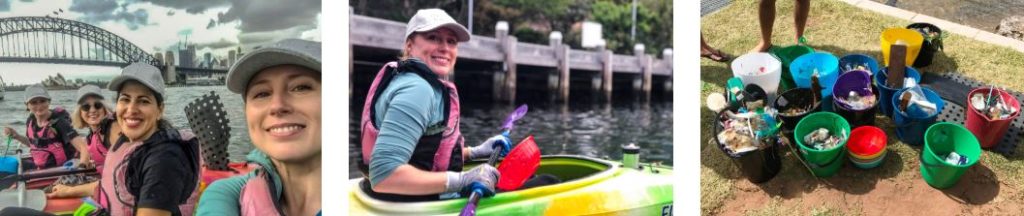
[[589, 187]]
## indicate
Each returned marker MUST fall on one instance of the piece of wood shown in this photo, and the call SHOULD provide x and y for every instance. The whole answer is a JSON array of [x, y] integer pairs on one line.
[[815, 89], [897, 65], [905, 101]]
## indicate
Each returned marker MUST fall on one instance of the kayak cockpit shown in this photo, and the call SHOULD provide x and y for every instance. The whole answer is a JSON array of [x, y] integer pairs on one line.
[[573, 171]]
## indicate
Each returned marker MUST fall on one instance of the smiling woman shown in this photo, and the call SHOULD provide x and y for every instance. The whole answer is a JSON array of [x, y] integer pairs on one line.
[[280, 85]]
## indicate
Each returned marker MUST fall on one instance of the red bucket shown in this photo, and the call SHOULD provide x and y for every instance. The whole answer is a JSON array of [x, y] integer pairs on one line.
[[866, 142], [989, 131]]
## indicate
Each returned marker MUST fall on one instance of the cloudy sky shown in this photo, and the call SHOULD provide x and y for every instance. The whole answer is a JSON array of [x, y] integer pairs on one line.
[[159, 25]]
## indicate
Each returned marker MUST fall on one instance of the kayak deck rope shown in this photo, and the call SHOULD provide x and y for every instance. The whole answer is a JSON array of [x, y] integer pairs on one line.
[[209, 122]]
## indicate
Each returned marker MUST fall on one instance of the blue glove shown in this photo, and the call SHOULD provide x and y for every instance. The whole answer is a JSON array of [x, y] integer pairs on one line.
[[482, 178], [485, 149]]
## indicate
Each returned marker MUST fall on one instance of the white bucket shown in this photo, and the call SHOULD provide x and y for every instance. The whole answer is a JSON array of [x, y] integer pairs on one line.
[[761, 69]]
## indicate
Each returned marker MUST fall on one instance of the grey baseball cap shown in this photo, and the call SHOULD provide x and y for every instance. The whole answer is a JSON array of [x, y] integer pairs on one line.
[[146, 74], [88, 90], [36, 91], [286, 52], [429, 19]]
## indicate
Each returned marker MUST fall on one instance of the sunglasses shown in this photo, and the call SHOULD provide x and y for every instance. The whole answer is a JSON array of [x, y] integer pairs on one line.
[[95, 105]]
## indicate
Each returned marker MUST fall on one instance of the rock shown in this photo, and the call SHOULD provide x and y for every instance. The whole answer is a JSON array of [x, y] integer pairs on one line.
[[1012, 27]]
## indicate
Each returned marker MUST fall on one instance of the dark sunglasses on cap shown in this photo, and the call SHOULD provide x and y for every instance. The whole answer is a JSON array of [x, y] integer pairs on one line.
[[95, 105]]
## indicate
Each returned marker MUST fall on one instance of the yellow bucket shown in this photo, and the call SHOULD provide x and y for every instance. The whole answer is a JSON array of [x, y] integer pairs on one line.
[[911, 37]]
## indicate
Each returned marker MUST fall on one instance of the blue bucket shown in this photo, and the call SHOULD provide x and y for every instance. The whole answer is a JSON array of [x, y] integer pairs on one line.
[[885, 93], [910, 126], [827, 66], [850, 62], [9, 164]]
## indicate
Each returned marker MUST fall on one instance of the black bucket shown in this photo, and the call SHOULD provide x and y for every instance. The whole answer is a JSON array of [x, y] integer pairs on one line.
[[798, 97], [854, 81], [758, 165], [753, 93], [928, 48]]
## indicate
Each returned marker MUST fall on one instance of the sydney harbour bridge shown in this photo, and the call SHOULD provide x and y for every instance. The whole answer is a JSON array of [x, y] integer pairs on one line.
[[62, 41]]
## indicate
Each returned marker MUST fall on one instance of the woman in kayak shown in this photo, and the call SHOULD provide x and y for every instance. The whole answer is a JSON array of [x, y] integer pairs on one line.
[[280, 86], [151, 168], [48, 132], [412, 148], [95, 114]]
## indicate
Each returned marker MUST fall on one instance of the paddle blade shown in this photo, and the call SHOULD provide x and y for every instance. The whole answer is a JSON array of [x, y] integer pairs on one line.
[[519, 165], [514, 116]]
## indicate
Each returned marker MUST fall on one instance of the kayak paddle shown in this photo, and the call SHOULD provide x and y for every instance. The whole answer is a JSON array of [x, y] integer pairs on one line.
[[478, 191], [6, 182]]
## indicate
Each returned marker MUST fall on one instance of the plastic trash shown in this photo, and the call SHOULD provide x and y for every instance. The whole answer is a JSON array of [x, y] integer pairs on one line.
[[994, 106], [915, 104], [820, 139], [956, 159]]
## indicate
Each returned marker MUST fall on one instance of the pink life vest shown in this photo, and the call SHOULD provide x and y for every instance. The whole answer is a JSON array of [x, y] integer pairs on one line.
[[47, 148], [257, 197], [113, 196], [97, 151], [437, 152]]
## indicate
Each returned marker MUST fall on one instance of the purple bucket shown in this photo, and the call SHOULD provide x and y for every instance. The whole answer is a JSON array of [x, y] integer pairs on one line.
[[854, 81]]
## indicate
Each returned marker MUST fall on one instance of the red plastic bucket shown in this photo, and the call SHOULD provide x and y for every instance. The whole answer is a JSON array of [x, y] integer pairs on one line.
[[989, 131], [866, 142]]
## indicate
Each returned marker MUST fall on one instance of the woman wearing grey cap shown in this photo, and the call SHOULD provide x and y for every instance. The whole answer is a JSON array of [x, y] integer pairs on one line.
[[280, 85], [412, 149], [48, 132], [151, 168], [95, 114]]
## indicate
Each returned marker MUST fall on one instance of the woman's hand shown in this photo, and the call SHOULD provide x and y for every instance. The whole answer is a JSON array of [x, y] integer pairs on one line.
[[64, 191], [8, 131], [485, 149], [484, 177]]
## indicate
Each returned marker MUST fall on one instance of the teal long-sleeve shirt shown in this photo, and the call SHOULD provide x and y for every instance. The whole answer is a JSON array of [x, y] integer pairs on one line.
[[404, 111]]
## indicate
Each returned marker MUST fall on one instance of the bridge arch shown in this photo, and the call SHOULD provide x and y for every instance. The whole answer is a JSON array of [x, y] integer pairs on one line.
[[123, 49]]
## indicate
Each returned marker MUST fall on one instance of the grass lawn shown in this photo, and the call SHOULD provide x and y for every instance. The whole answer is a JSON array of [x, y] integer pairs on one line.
[[836, 27]]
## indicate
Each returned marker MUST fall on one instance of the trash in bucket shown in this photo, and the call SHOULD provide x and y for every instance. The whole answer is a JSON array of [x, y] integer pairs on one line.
[[858, 62], [914, 103], [794, 104], [993, 106], [823, 161], [947, 141], [759, 68], [753, 98], [821, 139], [988, 130], [932, 42], [755, 154], [825, 65], [920, 111], [886, 92], [746, 131], [956, 159]]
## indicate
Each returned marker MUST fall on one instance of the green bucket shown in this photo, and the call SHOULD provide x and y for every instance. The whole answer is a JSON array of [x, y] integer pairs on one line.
[[786, 55], [939, 140], [823, 163]]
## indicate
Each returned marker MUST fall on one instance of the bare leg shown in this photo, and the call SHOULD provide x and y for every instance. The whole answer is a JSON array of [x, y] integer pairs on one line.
[[711, 53], [803, 7], [766, 15]]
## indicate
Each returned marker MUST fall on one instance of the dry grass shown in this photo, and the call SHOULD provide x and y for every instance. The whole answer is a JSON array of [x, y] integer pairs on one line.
[[839, 28]]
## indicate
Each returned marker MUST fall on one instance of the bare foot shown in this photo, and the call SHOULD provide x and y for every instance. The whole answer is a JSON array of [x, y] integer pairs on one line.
[[761, 47]]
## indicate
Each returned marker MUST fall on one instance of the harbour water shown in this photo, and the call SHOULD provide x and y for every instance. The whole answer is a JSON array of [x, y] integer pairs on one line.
[[589, 129]]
